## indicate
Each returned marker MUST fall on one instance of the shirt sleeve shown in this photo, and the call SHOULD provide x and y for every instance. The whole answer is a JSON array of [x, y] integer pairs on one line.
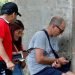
[[40, 40], [2, 32]]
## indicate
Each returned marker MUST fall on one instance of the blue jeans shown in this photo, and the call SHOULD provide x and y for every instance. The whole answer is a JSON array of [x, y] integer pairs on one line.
[[17, 70], [49, 71]]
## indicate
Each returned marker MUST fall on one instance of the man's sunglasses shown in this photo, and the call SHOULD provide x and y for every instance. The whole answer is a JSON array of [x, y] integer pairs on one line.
[[61, 31]]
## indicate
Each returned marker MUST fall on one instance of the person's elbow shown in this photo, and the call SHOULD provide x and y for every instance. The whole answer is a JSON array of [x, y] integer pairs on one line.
[[40, 60]]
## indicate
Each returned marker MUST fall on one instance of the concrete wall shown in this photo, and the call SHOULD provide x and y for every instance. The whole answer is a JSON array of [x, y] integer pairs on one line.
[[36, 14], [73, 37]]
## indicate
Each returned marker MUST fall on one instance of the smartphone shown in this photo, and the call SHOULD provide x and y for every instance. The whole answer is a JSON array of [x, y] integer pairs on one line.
[[18, 56]]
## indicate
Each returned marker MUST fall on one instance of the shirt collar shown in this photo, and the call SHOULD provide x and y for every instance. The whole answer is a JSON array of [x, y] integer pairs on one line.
[[5, 20]]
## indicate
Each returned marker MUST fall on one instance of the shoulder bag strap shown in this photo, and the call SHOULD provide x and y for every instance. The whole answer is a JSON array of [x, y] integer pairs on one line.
[[55, 54]]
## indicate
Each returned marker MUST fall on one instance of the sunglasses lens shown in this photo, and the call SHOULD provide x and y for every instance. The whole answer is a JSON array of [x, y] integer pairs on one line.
[[61, 31]]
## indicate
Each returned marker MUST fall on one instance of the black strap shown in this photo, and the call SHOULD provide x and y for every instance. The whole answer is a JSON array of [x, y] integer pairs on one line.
[[28, 50], [55, 54]]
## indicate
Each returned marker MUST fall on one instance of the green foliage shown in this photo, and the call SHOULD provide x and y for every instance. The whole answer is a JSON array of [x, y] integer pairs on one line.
[[2, 2]]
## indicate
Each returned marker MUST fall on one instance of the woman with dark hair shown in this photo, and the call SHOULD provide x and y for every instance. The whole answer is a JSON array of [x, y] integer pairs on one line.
[[16, 29]]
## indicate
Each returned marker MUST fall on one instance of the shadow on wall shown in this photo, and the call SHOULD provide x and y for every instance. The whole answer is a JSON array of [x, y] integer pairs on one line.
[[65, 47]]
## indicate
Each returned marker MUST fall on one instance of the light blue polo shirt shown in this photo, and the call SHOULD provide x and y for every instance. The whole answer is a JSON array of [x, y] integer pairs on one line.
[[39, 40]]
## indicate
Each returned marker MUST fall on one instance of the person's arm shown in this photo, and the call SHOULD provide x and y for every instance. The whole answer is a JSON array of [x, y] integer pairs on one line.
[[41, 59], [5, 57], [40, 45]]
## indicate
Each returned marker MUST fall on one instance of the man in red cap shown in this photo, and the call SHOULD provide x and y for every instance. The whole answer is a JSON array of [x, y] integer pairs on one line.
[[9, 12]]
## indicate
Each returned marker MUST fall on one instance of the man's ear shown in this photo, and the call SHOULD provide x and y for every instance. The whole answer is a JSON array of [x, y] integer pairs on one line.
[[13, 13]]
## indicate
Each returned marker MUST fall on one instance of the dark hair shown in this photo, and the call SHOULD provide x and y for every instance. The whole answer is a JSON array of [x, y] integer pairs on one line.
[[15, 26], [9, 8]]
